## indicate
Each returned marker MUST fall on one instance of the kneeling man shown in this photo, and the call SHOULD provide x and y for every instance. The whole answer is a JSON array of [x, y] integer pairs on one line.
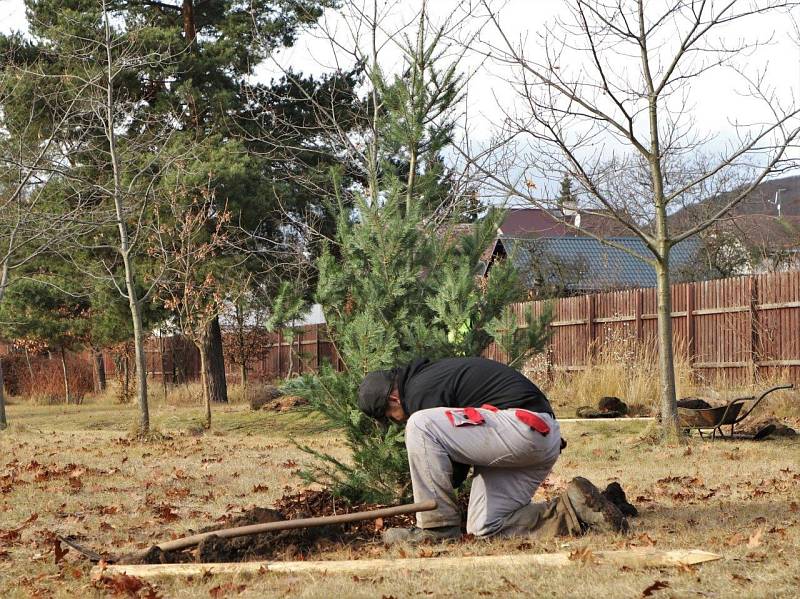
[[462, 412]]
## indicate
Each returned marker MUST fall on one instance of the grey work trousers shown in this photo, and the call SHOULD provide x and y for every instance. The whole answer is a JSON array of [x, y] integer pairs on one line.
[[510, 460]]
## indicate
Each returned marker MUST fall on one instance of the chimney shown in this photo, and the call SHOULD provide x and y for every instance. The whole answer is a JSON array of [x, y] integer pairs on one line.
[[569, 208]]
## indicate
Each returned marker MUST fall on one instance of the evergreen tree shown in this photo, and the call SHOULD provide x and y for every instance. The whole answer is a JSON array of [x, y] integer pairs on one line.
[[47, 313], [566, 196], [399, 282]]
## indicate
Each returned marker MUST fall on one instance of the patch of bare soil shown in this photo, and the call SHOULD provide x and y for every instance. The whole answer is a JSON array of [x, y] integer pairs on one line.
[[288, 544]]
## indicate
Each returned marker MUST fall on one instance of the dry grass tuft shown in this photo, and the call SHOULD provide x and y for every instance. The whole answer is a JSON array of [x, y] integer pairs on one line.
[[621, 369], [630, 371]]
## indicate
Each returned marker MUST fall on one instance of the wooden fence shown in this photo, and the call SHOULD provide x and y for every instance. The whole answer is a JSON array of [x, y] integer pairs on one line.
[[175, 359], [738, 328]]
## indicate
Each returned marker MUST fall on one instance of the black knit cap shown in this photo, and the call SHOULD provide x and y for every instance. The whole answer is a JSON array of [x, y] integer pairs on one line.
[[373, 393]]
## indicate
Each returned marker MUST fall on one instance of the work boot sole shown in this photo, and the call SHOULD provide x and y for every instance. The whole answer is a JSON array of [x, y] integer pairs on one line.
[[593, 509]]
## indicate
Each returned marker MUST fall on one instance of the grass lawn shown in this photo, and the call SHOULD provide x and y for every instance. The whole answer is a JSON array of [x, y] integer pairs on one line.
[[74, 470]]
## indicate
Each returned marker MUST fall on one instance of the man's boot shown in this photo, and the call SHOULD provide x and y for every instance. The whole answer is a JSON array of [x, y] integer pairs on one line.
[[592, 509], [415, 536], [616, 495]]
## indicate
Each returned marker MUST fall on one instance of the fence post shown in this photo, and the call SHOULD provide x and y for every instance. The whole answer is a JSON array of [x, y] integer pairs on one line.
[[638, 315], [163, 364], [690, 327], [590, 307], [299, 352], [753, 303], [318, 348], [280, 350]]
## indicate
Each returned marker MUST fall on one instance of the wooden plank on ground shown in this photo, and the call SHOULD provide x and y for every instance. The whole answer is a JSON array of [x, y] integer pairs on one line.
[[631, 558], [622, 419]]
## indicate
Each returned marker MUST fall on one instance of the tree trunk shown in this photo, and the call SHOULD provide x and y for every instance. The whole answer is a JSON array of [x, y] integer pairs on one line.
[[141, 363], [243, 375], [205, 376], [28, 362], [3, 420], [124, 248], [217, 384], [189, 29], [99, 371], [669, 406], [126, 379], [66, 376]]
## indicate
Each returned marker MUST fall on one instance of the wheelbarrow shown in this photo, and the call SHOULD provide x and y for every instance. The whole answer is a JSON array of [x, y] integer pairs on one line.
[[714, 419]]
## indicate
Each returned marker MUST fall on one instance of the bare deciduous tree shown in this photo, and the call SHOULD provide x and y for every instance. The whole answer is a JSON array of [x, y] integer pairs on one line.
[[189, 243], [606, 96], [115, 167], [30, 159]]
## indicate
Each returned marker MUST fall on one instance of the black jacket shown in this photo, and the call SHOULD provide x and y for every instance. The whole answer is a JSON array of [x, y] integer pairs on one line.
[[466, 382]]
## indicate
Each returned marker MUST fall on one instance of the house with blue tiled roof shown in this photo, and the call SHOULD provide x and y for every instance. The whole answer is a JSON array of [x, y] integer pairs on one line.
[[572, 265]]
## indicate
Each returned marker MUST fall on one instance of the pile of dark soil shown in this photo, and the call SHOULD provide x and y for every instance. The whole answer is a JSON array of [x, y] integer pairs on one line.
[[607, 407], [768, 428], [694, 403], [297, 544]]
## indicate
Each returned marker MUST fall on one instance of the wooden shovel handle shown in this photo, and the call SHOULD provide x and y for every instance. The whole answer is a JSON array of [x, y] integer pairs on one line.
[[254, 529]]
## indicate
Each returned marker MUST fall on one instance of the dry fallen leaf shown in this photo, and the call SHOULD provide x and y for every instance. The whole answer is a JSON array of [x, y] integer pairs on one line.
[[584, 555], [58, 551], [740, 579], [755, 538], [226, 590], [131, 586], [656, 586]]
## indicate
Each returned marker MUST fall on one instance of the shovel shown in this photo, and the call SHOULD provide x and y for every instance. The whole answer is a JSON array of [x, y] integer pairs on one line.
[[254, 529]]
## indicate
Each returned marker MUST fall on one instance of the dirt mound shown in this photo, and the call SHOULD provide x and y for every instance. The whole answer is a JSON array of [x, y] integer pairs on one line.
[[694, 403], [760, 428], [270, 398], [286, 403], [607, 407], [288, 544], [263, 396]]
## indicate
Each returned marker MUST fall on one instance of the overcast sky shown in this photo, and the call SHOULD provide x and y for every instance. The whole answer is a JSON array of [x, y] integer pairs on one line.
[[714, 103]]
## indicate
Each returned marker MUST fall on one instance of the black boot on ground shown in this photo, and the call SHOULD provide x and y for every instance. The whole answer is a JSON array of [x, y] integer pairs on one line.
[[593, 510], [616, 495]]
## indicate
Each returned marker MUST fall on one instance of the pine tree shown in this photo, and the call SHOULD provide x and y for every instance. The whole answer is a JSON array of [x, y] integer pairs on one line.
[[43, 311], [399, 283], [566, 196]]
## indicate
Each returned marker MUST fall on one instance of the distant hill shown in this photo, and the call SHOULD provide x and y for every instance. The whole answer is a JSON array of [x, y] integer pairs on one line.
[[775, 198]]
